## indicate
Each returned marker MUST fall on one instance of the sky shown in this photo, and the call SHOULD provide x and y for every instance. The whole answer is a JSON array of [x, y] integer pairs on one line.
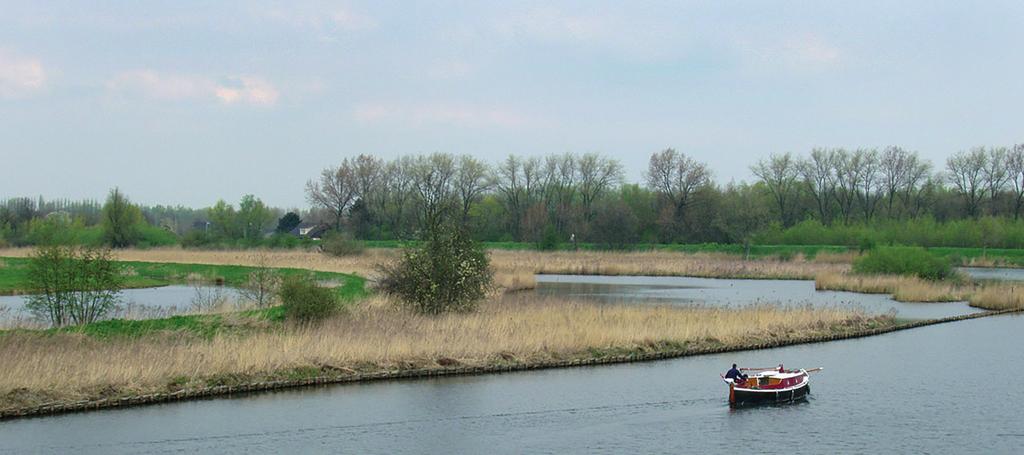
[[188, 102]]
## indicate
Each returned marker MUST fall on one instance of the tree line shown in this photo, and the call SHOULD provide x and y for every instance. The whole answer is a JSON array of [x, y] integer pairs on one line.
[[585, 196], [828, 194]]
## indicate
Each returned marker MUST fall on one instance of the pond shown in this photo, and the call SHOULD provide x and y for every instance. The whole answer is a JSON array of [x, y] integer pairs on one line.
[[895, 393], [149, 302], [733, 293]]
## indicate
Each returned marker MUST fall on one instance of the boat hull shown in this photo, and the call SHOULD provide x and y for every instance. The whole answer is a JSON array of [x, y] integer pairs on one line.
[[748, 397]]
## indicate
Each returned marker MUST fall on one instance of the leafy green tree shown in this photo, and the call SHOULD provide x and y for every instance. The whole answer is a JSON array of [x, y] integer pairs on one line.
[[253, 216], [72, 285], [224, 220], [121, 220]]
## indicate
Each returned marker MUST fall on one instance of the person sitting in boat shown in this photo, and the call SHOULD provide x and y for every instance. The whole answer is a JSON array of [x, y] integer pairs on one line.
[[735, 374]]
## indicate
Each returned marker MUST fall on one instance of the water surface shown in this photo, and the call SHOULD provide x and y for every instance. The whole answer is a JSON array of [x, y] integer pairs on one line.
[[994, 273], [734, 293], [149, 302]]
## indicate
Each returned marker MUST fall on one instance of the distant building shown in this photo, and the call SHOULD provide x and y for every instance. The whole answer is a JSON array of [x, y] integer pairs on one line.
[[313, 231]]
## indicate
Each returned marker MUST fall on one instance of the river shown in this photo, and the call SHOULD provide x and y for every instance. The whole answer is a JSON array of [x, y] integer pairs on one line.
[[921, 390]]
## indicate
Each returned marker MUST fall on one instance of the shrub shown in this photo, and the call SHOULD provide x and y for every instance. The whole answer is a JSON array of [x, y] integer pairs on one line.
[[341, 244], [306, 301], [448, 272], [904, 261], [155, 236], [549, 240], [196, 238]]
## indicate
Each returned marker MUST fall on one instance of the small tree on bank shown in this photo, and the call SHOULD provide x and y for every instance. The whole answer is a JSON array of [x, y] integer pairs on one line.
[[262, 285], [121, 220], [71, 285], [447, 272]]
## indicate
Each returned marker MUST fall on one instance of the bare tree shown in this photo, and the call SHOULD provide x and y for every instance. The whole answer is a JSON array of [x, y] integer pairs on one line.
[[896, 164], [432, 178], [967, 174], [995, 173], [818, 173], [676, 177], [869, 182], [849, 177], [561, 177], [919, 181], [335, 190], [368, 172], [597, 175], [262, 283], [471, 181], [1015, 173], [561, 187], [397, 188], [779, 174], [508, 180], [533, 180]]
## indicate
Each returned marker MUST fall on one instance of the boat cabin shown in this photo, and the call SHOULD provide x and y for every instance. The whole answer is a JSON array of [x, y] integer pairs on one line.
[[774, 380]]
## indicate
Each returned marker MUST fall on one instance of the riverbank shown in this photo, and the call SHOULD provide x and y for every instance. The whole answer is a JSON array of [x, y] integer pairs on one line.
[[329, 374], [378, 339]]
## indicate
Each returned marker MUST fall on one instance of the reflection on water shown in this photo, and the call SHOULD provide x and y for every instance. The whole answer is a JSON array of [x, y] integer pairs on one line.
[[733, 293]]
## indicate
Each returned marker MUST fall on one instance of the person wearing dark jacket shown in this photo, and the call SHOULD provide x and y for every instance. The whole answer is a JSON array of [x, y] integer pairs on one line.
[[735, 374]]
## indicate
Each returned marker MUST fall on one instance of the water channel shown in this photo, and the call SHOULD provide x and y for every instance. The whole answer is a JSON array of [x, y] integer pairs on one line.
[[921, 390]]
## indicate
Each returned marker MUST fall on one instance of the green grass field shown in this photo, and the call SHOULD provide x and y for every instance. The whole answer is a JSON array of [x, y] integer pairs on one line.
[[146, 274], [13, 275]]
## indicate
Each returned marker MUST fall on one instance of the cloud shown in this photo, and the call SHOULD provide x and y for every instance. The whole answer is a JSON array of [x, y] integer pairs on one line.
[[250, 90], [441, 114], [20, 76], [247, 90]]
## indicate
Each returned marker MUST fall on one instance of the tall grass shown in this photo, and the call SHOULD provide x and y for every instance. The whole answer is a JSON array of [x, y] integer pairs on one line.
[[513, 263], [380, 334], [902, 288]]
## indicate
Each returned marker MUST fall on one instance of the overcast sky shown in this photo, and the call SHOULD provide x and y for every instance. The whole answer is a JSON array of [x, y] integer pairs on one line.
[[184, 103]]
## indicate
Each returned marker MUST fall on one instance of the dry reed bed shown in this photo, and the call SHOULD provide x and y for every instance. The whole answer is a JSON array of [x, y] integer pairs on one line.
[[513, 269], [985, 295], [378, 335], [659, 263]]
